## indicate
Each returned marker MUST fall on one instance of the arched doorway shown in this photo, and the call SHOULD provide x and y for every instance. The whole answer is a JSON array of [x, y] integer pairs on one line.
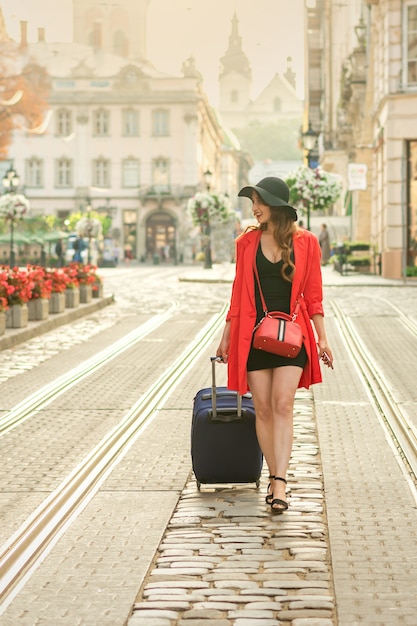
[[160, 237]]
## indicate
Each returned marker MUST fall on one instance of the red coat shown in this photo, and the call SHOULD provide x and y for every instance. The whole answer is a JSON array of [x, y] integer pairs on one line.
[[242, 311]]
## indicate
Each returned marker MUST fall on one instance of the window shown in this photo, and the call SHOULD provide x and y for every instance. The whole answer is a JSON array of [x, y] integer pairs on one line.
[[410, 45], [130, 173], [160, 175], [101, 172], [34, 172], [101, 122], [63, 123], [130, 123], [160, 123], [63, 173]]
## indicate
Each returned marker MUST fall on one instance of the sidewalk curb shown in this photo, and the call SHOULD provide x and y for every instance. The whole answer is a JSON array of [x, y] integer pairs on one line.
[[225, 273], [14, 336]]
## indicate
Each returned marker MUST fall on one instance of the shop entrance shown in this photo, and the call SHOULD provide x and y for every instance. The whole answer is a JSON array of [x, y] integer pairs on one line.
[[129, 234], [160, 238]]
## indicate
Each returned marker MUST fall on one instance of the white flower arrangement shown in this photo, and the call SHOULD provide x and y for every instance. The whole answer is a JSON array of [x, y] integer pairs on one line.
[[13, 206], [88, 227], [315, 188], [205, 207]]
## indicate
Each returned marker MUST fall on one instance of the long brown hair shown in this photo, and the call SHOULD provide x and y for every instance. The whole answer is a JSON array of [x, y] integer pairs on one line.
[[284, 229]]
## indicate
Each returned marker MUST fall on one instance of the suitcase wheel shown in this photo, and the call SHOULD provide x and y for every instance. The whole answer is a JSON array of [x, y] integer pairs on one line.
[[258, 482], [198, 485]]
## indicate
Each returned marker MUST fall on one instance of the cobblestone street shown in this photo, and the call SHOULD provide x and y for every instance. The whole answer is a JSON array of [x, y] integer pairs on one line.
[[150, 549]]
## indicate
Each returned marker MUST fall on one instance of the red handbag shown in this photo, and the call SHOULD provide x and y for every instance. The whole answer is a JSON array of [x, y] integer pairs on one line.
[[277, 332]]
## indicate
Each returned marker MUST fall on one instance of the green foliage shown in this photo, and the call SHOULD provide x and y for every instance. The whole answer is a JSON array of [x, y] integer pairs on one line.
[[355, 246], [75, 217], [411, 270], [359, 261]]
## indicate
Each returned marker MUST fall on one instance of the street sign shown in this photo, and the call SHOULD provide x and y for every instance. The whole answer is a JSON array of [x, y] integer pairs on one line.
[[357, 173]]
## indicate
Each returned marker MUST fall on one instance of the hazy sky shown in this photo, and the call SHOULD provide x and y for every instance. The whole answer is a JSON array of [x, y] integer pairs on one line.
[[270, 30]]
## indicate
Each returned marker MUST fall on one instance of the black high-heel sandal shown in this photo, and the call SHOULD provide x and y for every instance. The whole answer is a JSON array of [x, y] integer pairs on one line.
[[269, 496], [283, 506]]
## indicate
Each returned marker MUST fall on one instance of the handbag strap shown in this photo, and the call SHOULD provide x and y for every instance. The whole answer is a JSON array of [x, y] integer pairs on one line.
[[264, 307], [255, 269]]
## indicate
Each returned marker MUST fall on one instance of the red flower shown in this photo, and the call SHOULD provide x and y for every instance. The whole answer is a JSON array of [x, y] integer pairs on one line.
[[5, 290], [22, 285], [72, 278], [86, 274], [42, 283], [59, 280]]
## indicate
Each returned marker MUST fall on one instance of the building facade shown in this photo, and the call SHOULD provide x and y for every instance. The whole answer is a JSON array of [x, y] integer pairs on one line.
[[121, 137], [361, 100]]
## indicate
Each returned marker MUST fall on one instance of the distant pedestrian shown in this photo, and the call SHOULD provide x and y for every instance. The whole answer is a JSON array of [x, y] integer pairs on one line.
[[324, 241], [301, 224], [59, 251], [79, 246]]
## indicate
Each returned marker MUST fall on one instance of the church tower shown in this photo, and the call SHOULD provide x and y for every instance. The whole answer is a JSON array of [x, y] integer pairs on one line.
[[119, 28], [235, 80]]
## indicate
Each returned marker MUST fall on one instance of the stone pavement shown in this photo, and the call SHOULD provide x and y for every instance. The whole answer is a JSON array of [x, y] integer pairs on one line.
[[344, 553], [225, 560], [14, 336]]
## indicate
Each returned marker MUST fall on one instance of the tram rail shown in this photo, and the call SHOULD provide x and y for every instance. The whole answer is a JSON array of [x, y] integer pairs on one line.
[[41, 398], [403, 432], [20, 555]]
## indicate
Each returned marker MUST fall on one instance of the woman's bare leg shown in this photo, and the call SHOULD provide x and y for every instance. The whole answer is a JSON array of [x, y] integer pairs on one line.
[[273, 392]]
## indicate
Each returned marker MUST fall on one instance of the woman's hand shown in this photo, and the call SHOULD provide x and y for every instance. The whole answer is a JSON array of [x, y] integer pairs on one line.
[[325, 354], [323, 347], [223, 349]]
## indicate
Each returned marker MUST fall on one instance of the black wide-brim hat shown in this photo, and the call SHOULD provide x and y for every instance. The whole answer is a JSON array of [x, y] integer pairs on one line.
[[273, 191]]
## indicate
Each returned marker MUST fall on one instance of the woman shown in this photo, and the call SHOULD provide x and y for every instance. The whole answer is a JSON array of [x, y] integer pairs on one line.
[[288, 264]]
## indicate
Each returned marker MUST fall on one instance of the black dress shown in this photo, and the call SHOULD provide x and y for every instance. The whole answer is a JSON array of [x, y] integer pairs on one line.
[[277, 295]]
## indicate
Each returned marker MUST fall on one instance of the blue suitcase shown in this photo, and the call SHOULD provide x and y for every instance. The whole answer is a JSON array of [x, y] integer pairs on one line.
[[224, 446]]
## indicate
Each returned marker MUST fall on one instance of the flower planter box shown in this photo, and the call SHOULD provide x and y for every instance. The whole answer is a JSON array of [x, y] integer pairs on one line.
[[2, 322], [57, 303], [17, 316], [86, 293], [38, 309], [98, 290], [72, 298]]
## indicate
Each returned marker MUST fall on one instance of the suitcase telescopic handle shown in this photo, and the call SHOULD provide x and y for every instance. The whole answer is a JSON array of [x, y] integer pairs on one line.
[[214, 360]]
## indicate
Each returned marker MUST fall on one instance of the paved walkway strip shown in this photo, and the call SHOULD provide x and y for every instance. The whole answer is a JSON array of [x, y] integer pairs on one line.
[[226, 560]]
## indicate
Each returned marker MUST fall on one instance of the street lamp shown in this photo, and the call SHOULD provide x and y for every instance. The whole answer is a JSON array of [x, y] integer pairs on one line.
[[207, 229], [207, 178], [89, 229], [11, 183], [309, 139]]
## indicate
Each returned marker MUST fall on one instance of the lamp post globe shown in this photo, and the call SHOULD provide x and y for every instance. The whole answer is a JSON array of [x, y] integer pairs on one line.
[[207, 228]]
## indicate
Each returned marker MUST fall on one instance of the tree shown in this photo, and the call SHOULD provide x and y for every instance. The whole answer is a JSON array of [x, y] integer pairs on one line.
[[23, 95]]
